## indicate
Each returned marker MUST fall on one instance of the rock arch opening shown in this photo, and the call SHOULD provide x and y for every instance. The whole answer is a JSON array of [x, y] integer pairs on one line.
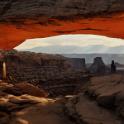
[[13, 34], [57, 63]]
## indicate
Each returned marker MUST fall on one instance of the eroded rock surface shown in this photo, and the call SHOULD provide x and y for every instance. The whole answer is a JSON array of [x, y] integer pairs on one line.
[[88, 112], [28, 109], [109, 92], [46, 8], [53, 73], [26, 19], [56, 8], [101, 102]]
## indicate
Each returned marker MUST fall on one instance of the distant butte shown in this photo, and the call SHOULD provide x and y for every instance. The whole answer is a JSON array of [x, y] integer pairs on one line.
[[21, 20]]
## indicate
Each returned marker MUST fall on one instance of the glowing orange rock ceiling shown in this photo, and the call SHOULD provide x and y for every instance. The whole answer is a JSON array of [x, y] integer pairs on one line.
[[12, 33]]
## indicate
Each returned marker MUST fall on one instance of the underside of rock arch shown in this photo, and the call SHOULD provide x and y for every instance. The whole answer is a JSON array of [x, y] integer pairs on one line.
[[24, 19]]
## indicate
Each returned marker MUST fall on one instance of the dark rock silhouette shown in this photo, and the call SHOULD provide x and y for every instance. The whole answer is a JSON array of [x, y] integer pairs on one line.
[[113, 67], [98, 66]]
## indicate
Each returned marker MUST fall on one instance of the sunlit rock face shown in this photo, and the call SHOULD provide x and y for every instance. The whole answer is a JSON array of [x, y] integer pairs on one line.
[[24, 19]]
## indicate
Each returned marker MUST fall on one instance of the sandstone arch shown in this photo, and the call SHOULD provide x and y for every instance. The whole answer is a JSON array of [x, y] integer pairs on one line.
[[22, 20]]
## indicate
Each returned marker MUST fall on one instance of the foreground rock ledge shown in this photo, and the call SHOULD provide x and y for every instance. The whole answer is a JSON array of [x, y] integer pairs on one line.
[[78, 109]]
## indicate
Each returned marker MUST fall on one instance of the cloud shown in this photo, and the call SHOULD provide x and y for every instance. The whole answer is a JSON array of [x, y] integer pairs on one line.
[[71, 40]]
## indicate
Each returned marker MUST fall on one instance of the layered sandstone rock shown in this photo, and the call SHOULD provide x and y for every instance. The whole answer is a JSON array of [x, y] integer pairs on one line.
[[26, 19], [11, 9], [108, 92], [88, 112], [26, 88], [100, 103], [29, 109], [55, 74], [22, 88]]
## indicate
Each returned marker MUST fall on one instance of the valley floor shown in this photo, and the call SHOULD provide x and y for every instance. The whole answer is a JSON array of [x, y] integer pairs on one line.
[[101, 101]]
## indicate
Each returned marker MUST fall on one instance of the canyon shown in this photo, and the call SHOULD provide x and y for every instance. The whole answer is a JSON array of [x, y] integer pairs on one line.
[[50, 89], [53, 89]]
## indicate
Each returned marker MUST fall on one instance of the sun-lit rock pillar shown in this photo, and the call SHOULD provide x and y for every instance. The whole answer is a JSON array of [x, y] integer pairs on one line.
[[4, 71]]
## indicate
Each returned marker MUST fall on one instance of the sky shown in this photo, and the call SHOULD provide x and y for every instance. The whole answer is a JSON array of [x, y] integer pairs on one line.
[[70, 41]]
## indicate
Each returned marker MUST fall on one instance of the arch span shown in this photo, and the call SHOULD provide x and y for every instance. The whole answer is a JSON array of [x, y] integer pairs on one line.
[[12, 34]]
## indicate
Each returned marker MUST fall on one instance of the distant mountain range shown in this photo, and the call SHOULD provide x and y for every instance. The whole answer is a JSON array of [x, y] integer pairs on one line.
[[88, 52], [107, 58], [78, 49]]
